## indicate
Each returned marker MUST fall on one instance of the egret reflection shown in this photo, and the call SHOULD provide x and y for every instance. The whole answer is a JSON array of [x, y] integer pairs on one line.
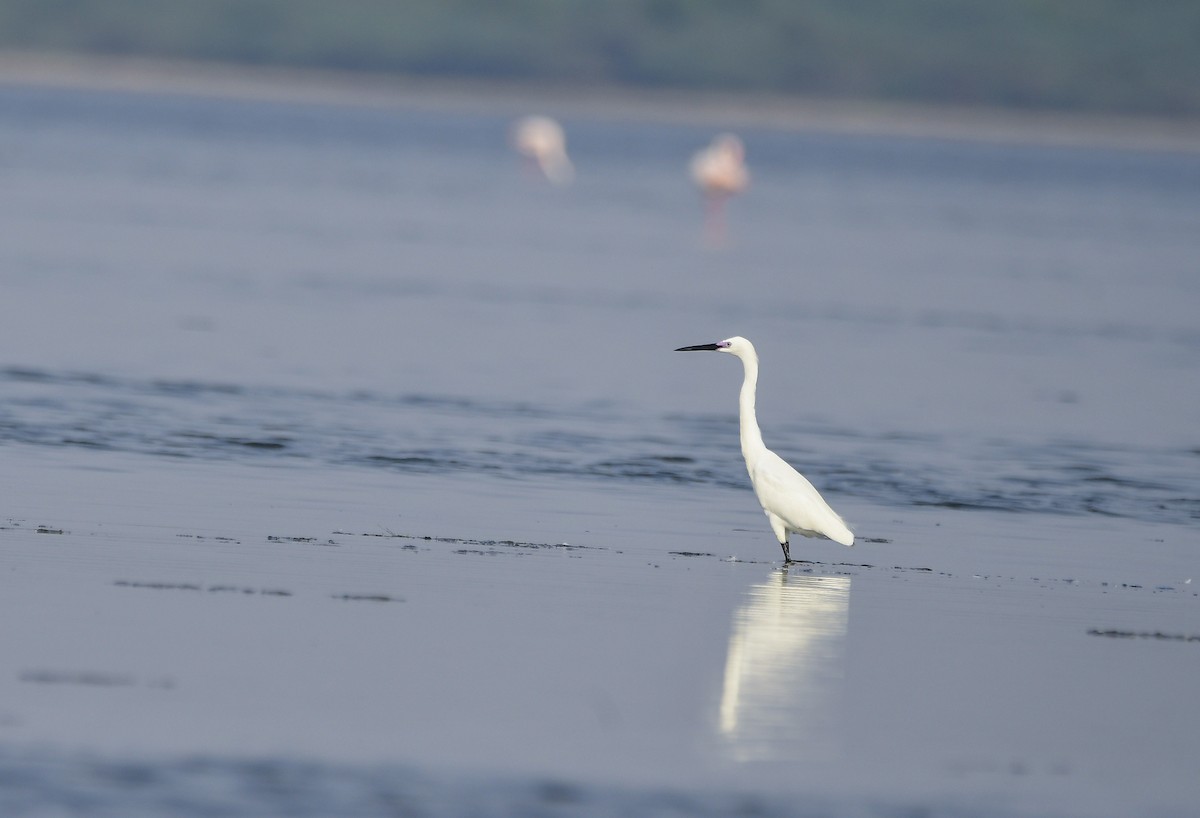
[[784, 669]]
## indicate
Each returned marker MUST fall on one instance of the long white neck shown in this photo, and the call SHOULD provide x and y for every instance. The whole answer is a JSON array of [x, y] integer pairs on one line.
[[752, 442]]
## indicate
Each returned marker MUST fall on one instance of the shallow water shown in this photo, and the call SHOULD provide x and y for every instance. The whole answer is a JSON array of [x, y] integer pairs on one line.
[[335, 446]]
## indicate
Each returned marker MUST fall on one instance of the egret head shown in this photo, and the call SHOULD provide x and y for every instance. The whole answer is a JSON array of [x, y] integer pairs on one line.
[[737, 345]]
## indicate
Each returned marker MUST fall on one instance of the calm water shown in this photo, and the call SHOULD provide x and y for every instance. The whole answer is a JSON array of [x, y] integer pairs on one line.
[[216, 303]]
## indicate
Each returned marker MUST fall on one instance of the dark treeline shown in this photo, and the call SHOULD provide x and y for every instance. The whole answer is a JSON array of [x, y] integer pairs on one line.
[[1096, 55]]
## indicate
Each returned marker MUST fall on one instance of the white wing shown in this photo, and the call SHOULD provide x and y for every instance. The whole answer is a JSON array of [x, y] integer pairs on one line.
[[787, 494]]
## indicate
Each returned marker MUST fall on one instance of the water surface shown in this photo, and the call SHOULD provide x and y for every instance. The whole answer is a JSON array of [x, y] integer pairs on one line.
[[345, 464]]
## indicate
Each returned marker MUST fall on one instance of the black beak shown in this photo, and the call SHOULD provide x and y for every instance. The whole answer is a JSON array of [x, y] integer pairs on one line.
[[698, 347]]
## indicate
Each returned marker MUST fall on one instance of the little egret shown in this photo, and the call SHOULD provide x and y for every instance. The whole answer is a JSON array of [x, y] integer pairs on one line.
[[788, 499]]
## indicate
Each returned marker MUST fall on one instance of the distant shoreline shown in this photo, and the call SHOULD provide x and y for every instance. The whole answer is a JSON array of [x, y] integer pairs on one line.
[[724, 110]]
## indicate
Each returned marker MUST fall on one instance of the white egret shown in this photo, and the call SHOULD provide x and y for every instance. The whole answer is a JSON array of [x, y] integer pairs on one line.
[[541, 140], [790, 502]]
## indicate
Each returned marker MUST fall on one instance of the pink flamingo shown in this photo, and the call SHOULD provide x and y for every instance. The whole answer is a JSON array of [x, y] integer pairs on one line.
[[544, 145], [720, 172]]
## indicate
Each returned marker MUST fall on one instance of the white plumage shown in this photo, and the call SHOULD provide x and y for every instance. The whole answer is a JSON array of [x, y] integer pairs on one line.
[[790, 502]]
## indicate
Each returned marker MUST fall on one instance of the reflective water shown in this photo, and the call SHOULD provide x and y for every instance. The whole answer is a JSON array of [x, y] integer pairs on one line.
[[338, 454], [784, 668]]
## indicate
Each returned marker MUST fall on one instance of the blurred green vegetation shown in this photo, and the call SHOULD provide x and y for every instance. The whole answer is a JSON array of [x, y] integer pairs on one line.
[[1098, 55]]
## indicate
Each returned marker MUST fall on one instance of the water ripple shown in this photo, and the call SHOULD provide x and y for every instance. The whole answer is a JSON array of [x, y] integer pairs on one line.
[[433, 434], [43, 783]]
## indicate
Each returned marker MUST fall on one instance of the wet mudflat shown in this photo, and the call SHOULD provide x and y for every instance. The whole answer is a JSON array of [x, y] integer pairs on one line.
[[925, 676], [347, 470]]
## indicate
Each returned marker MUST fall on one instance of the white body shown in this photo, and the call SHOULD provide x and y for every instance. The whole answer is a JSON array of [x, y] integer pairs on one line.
[[790, 502]]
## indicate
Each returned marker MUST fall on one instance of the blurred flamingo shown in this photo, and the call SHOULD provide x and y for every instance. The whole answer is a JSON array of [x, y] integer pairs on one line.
[[720, 172], [542, 142]]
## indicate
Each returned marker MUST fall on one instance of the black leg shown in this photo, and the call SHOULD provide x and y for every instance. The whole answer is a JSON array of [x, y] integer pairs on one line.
[[787, 556]]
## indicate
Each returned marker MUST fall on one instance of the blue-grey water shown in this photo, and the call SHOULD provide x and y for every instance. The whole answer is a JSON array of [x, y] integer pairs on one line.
[[353, 360]]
